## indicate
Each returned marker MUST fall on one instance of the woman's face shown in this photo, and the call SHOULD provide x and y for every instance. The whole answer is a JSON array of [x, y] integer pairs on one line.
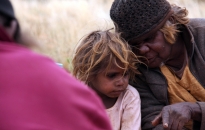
[[155, 49]]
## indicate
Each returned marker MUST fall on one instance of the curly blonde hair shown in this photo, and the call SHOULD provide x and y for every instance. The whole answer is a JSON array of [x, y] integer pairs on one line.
[[98, 51], [171, 27]]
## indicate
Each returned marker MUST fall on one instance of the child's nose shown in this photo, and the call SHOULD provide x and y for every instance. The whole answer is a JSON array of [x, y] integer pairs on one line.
[[121, 81]]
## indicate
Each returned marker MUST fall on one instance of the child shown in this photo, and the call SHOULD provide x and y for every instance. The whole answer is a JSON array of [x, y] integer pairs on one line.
[[105, 63]]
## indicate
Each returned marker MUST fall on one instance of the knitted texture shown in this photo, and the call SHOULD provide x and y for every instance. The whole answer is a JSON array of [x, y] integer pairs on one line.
[[133, 18]]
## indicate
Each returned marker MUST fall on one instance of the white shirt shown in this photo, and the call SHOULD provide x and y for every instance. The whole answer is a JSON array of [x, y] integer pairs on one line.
[[126, 112]]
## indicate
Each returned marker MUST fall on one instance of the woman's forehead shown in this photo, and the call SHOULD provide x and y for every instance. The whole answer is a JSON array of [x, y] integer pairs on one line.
[[138, 40]]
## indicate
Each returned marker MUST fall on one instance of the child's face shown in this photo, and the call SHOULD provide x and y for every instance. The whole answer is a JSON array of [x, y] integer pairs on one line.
[[112, 84]]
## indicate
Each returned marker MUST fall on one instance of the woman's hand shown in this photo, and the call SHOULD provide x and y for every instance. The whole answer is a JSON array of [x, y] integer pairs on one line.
[[175, 116]]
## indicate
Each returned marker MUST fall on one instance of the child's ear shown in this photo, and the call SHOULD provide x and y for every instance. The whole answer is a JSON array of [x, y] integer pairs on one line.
[[89, 81]]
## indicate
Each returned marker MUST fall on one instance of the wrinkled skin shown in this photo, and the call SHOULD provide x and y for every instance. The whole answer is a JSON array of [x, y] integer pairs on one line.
[[154, 48], [175, 116]]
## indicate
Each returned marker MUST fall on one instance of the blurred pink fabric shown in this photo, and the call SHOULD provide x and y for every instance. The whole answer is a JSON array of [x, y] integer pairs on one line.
[[35, 93]]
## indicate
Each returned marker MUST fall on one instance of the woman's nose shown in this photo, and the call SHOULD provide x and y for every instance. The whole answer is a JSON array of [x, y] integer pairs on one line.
[[143, 49]]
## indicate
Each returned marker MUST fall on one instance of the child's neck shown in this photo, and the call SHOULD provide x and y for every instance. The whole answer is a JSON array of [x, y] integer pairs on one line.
[[108, 102]]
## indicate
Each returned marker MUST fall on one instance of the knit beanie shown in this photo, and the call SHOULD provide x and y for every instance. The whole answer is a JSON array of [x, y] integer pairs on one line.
[[139, 18], [7, 9]]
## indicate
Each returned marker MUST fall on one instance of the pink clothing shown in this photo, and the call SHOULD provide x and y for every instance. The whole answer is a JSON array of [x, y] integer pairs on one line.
[[126, 113], [35, 93]]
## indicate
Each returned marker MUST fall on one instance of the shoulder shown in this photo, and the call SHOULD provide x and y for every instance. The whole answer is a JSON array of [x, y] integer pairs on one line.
[[196, 22], [196, 28], [49, 87], [39, 71], [131, 94], [16, 53], [133, 91]]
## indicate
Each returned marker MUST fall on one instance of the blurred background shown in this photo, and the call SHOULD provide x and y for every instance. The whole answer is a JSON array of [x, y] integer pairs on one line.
[[58, 25]]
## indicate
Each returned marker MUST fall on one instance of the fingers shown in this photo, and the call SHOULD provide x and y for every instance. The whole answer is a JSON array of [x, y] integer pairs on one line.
[[174, 122], [180, 126], [170, 119], [157, 120], [175, 116], [165, 118]]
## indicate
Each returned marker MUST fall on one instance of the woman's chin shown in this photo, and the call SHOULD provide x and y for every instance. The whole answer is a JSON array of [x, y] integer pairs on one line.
[[154, 65]]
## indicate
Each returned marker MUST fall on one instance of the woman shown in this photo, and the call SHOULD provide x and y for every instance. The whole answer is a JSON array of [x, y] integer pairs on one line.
[[171, 85]]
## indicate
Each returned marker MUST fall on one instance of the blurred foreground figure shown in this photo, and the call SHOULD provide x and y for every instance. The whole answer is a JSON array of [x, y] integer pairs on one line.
[[171, 84], [35, 93]]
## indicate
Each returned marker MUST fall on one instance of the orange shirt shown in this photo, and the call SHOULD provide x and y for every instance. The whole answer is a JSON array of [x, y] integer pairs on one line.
[[186, 89]]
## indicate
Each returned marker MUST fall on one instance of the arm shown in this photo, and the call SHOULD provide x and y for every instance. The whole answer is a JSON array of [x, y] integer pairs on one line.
[[153, 93], [131, 117], [175, 116], [150, 107]]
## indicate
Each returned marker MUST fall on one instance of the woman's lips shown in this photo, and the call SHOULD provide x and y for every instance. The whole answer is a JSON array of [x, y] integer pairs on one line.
[[150, 60]]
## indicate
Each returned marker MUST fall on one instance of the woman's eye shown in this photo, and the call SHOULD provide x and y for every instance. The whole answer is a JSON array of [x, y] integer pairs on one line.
[[148, 39], [137, 46]]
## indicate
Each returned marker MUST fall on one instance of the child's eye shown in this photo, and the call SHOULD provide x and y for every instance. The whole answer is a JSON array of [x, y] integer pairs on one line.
[[111, 75], [126, 74]]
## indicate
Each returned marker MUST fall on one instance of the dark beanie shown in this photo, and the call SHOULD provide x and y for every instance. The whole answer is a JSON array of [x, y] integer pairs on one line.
[[6, 9], [137, 18]]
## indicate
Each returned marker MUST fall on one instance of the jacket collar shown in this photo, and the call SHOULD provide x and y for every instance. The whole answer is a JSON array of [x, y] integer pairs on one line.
[[189, 40]]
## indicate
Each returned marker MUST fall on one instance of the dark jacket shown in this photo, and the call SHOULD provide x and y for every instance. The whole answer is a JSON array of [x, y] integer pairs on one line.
[[152, 85]]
